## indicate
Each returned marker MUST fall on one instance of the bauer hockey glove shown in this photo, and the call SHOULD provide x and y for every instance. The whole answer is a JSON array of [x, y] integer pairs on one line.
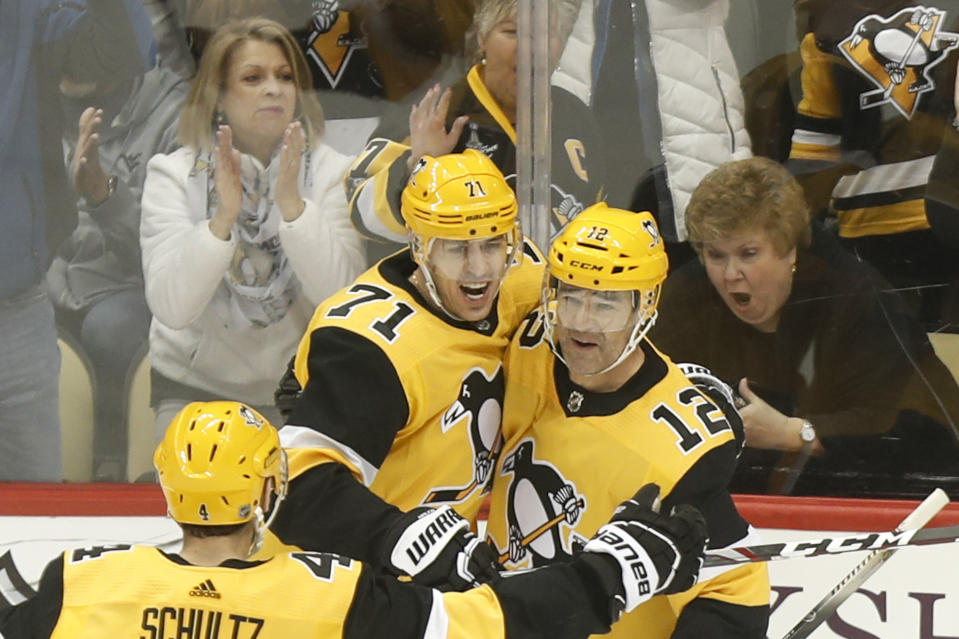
[[722, 394], [655, 553], [436, 547]]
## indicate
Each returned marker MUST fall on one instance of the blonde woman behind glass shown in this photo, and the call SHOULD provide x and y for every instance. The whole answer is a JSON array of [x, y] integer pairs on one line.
[[244, 230]]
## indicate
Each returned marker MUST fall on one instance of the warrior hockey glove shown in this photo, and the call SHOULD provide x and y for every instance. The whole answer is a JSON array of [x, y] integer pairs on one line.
[[722, 394], [656, 554], [436, 548]]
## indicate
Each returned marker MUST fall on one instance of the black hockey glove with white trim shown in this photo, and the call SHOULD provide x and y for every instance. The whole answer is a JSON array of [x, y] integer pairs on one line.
[[436, 547], [722, 394], [654, 553]]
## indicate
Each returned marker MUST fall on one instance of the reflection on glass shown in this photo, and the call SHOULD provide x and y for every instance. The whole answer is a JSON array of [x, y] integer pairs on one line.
[[806, 333], [855, 99]]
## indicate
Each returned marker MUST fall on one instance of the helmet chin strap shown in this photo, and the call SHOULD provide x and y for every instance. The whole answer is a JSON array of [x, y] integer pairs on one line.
[[260, 523], [638, 333], [419, 256], [259, 531], [434, 294]]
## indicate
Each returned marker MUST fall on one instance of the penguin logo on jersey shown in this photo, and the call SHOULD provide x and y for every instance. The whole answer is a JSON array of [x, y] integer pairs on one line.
[[474, 141], [565, 207], [480, 403], [897, 53], [540, 501], [330, 42]]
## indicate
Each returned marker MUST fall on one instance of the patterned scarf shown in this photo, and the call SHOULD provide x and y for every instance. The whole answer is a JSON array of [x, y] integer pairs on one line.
[[260, 281]]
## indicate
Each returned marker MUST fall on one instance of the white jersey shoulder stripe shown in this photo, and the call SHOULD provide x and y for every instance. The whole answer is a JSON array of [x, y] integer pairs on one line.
[[803, 136], [292, 436], [886, 177], [438, 624]]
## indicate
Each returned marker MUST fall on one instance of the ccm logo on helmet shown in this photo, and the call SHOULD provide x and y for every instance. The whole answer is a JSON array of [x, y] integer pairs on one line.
[[586, 266]]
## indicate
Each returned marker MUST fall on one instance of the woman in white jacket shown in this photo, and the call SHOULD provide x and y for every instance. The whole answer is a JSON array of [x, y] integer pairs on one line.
[[244, 229]]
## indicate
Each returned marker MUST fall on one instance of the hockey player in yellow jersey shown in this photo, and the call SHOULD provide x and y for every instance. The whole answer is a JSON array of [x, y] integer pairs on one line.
[[592, 408], [221, 467], [397, 386]]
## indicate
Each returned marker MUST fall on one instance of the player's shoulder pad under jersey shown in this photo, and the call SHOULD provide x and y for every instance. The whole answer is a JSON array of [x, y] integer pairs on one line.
[[522, 286], [371, 307], [689, 423]]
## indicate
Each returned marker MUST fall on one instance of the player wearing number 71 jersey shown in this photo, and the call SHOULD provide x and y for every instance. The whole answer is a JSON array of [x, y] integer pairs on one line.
[[397, 386], [593, 408]]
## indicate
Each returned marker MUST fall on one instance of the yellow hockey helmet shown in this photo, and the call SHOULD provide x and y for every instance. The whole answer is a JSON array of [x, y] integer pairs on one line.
[[605, 250], [214, 462], [459, 196], [609, 249]]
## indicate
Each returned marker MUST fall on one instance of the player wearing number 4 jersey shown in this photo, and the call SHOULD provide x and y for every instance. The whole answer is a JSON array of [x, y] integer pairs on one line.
[[397, 386], [221, 467], [592, 409]]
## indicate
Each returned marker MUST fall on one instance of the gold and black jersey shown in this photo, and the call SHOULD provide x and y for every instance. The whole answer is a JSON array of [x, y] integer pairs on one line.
[[379, 174], [406, 398], [141, 592], [876, 99], [571, 456]]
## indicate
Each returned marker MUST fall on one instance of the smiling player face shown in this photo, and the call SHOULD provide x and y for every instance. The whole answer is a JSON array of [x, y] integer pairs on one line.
[[592, 327], [467, 274]]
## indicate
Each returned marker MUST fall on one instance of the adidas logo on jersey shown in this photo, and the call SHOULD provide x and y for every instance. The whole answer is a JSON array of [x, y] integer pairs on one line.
[[205, 589]]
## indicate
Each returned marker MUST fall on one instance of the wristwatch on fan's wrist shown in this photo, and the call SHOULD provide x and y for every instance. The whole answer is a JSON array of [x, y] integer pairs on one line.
[[808, 435]]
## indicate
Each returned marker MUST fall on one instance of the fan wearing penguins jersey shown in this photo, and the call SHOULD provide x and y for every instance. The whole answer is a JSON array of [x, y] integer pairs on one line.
[[874, 112], [221, 468], [593, 408], [396, 389], [480, 112]]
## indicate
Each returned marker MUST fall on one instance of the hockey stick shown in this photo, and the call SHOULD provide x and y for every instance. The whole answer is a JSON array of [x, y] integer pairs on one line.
[[450, 494], [458, 494], [531, 537], [831, 546], [918, 518]]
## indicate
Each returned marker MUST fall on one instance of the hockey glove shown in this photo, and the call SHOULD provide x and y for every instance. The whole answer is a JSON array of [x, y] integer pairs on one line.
[[722, 394], [436, 547], [656, 554]]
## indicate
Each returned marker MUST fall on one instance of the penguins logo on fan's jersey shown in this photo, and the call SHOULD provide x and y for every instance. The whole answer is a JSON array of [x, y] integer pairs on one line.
[[897, 53], [565, 206], [330, 43], [474, 142], [539, 501], [480, 403]]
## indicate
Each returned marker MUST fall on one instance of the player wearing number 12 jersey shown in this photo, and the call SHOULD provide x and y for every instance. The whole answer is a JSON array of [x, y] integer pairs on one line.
[[222, 472], [592, 408], [398, 383]]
